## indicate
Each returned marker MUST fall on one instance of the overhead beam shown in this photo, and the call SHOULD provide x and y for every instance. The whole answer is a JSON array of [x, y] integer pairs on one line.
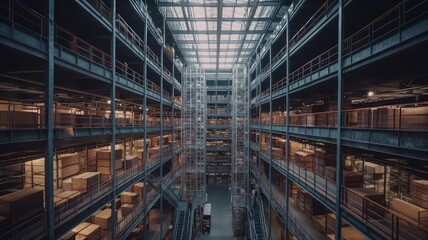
[[215, 50], [215, 32], [219, 24], [211, 19], [215, 4], [213, 41], [229, 56]]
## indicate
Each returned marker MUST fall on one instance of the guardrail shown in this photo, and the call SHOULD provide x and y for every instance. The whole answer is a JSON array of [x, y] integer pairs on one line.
[[412, 116], [379, 218], [392, 21], [17, 116]]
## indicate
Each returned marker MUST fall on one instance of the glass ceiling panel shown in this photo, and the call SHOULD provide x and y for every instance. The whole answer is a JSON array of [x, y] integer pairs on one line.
[[217, 43]]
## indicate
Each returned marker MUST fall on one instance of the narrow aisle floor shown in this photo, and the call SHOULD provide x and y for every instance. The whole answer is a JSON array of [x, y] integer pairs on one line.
[[221, 213]]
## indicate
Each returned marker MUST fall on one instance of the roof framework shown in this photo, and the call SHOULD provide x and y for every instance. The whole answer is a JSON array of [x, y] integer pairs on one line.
[[217, 34]]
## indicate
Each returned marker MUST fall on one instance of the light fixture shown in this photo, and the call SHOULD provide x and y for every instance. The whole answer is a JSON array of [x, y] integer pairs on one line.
[[109, 101], [370, 94]]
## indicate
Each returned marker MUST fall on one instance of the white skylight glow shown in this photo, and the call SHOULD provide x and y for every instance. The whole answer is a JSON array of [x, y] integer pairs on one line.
[[215, 43]]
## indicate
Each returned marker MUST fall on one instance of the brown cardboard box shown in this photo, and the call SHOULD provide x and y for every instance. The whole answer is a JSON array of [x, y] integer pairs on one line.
[[85, 181], [129, 197]]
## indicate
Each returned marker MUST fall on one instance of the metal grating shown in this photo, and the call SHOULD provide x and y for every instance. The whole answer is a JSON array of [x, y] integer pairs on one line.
[[193, 140], [240, 130]]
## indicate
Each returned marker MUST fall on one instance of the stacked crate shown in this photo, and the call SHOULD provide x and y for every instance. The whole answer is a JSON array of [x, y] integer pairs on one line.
[[139, 189], [129, 161], [348, 233], [65, 165], [415, 212], [85, 182], [350, 179], [68, 164], [419, 193], [65, 200], [18, 205], [323, 158], [104, 161], [87, 231], [278, 118], [304, 158], [375, 176], [103, 219], [118, 203], [129, 198]]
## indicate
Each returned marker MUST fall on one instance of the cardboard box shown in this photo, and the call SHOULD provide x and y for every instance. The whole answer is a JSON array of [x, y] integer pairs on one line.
[[129, 197], [85, 181], [91, 232]]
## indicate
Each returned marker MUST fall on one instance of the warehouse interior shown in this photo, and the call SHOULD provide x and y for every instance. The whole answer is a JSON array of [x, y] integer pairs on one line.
[[203, 119]]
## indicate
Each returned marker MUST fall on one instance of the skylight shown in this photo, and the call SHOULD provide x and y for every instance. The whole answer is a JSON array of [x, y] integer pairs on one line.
[[218, 34]]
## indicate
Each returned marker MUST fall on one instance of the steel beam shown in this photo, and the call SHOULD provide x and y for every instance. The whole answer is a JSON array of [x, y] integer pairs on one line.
[[113, 119], [214, 4], [204, 32], [49, 103], [339, 172], [212, 19]]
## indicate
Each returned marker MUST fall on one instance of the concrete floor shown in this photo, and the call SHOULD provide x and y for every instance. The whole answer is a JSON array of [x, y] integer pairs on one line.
[[221, 213]]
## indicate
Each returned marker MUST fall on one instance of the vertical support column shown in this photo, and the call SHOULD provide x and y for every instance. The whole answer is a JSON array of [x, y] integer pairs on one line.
[[240, 147], [49, 125], [248, 95], [339, 169], [258, 100], [193, 118], [173, 119], [145, 211], [270, 142], [113, 119], [161, 131], [287, 129]]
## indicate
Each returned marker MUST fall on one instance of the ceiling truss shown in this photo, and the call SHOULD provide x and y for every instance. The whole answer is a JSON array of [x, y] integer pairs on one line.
[[217, 34]]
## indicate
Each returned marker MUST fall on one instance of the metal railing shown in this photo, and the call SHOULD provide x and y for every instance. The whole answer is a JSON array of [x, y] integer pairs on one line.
[[262, 215], [278, 199], [66, 212], [321, 12], [19, 116], [29, 19], [136, 212], [101, 7], [390, 22], [34, 225], [406, 117], [378, 217]]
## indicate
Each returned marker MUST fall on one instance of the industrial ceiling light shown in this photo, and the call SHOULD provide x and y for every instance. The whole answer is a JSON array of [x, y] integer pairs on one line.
[[109, 101], [370, 94]]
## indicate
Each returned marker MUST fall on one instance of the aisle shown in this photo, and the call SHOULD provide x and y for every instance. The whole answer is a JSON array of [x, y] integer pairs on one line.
[[221, 213]]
